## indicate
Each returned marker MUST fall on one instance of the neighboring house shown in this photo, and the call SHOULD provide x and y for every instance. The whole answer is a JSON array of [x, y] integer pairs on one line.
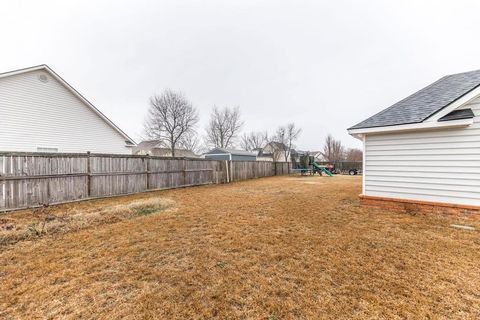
[[262, 156], [425, 149], [276, 150], [318, 156], [40, 112], [154, 148], [229, 154]]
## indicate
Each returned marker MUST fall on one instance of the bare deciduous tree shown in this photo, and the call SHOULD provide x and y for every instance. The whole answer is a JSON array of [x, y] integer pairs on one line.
[[333, 149], [354, 155], [191, 142], [170, 118], [285, 137], [224, 126], [254, 140]]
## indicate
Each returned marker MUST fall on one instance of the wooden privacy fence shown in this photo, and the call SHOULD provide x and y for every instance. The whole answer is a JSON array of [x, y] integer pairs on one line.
[[282, 168], [344, 166], [31, 179]]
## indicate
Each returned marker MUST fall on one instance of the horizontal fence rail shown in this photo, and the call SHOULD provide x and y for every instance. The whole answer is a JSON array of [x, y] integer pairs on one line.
[[32, 179]]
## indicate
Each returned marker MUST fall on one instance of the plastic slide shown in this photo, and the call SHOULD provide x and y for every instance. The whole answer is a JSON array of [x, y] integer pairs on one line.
[[322, 169]]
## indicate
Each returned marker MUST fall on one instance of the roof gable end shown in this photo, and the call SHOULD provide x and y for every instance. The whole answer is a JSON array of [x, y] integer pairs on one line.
[[72, 90]]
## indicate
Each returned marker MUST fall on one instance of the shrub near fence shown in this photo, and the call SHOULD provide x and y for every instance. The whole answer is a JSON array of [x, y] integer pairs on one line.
[[31, 179]]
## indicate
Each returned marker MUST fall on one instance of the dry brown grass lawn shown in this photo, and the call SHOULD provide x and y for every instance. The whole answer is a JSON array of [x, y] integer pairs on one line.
[[273, 248]]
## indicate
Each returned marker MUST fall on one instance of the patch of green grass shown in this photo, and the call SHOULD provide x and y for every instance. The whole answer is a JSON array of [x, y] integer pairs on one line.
[[32, 227], [272, 316], [145, 211], [146, 207]]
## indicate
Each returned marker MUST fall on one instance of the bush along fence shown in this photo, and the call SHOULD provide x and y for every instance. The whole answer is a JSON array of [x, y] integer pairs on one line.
[[31, 179]]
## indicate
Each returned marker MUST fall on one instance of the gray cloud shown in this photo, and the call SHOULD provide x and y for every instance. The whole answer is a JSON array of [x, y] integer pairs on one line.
[[325, 65]]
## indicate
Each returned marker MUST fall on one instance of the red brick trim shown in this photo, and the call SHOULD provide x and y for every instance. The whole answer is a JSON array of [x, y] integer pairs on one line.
[[423, 207]]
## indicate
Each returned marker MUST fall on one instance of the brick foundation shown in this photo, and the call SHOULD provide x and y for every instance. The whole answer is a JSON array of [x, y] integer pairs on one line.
[[422, 207]]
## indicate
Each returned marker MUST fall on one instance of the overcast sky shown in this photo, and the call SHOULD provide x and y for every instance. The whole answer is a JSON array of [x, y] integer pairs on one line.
[[324, 65]]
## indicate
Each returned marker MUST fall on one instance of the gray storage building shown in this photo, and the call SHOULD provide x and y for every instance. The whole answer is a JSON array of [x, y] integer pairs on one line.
[[229, 154]]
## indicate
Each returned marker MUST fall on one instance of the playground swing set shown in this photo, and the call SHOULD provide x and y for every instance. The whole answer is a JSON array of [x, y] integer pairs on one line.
[[306, 165]]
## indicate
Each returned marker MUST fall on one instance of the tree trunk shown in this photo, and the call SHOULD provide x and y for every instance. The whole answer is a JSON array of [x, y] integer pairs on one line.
[[172, 146]]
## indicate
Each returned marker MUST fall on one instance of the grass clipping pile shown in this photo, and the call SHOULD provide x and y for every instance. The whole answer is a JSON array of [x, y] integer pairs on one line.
[[44, 221]]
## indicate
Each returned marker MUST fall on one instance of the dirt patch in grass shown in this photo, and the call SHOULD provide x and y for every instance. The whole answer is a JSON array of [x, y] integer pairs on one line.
[[272, 248], [53, 220]]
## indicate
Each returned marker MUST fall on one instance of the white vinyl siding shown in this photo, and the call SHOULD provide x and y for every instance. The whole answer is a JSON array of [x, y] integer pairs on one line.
[[441, 165], [36, 114]]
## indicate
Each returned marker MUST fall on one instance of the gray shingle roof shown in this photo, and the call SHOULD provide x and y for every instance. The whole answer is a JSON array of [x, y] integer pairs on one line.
[[426, 102], [232, 151]]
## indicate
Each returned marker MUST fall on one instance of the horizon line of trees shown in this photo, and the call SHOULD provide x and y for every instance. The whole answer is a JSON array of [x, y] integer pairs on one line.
[[172, 120]]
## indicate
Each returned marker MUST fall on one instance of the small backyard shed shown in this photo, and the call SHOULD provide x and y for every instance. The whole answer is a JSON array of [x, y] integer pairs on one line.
[[230, 154], [424, 151]]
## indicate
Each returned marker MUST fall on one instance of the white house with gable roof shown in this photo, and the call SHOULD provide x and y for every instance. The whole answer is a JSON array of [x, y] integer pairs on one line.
[[425, 149], [41, 112]]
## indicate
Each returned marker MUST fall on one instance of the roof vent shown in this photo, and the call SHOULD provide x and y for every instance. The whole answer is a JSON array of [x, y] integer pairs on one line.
[[43, 78], [458, 115]]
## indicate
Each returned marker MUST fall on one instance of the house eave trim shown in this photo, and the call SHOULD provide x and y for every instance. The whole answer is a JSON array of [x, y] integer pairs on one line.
[[412, 127]]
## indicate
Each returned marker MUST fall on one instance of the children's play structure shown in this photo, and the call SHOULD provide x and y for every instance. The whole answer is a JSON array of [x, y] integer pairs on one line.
[[306, 165], [321, 169]]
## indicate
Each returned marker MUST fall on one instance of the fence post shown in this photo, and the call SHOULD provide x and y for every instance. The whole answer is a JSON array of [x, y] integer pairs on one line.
[[146, 160], [89, 177], [227, 172], [184, 164]]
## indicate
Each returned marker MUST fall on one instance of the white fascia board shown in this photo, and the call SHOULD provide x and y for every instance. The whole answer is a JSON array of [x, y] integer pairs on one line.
[[412, 127], [358, 136], [455, 105], [19, 71]]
